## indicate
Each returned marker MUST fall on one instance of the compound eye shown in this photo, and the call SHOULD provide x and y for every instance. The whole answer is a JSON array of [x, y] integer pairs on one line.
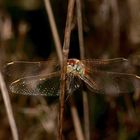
[[78, 68], [72, 64], [75, 67]]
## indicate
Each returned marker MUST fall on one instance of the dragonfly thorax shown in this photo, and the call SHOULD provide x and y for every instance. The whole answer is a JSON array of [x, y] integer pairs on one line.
[[75, 67]]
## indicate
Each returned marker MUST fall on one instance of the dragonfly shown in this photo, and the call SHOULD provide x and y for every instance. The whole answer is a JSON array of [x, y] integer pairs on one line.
[[108, 77]]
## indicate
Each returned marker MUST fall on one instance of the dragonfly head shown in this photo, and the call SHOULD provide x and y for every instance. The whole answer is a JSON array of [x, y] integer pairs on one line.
[[75, 67]]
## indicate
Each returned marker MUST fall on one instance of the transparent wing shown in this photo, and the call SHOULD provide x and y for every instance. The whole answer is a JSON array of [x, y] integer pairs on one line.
[[48, 85], [37, 85], [116, 64], [111, 82], [18, 69]]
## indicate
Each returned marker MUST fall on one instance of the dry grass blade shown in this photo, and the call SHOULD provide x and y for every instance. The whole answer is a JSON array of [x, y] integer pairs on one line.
[[82, 53], [54, 29], [86, 116], [80, 28], [76, 121], [8, 108], [64, 65], [116, 25], [59, 52]]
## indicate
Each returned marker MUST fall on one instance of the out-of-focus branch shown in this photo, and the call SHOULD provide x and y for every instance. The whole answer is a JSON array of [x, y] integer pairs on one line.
[[65, 52], [5, 34], [80, 28], [76, 121], [66, 45], [8, 108], [116, 25], [54, 29], [134, 28], [82, 53]]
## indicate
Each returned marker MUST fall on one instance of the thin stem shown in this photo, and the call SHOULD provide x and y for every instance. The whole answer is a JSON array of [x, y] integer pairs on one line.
[[8, 108], [131, 110], [54, 29], [86, 116], [116, 25], [57, 44], [80, 28], [64, 65], [82, 53], [76, 121]]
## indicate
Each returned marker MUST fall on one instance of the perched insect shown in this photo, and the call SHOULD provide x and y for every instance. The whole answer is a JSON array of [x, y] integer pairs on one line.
[[100, 76]]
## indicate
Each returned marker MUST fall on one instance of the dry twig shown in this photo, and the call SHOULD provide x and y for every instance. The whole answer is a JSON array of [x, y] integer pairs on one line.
[[116, 25], [59, 52], [80, 27], [64, 65], [54, 29], [8, 108], [76, 121], [82, 53]]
